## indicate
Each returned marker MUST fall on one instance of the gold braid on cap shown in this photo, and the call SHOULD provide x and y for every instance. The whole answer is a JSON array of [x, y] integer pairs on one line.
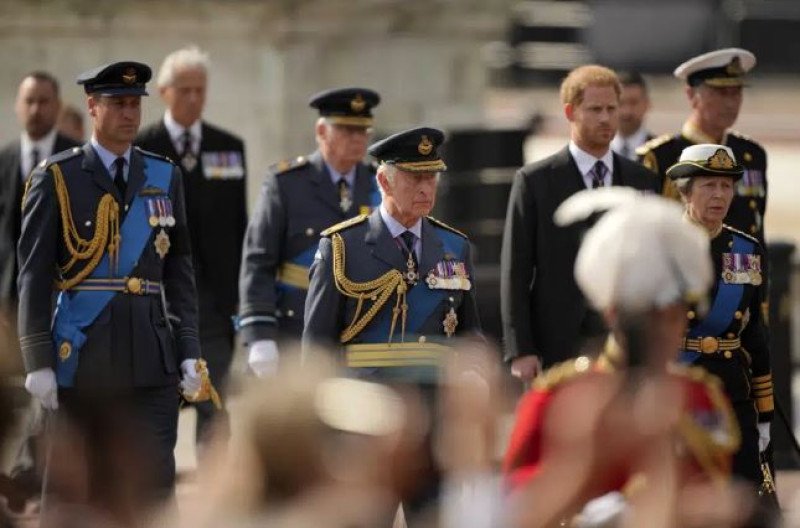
[[106, 234], [379, 290]]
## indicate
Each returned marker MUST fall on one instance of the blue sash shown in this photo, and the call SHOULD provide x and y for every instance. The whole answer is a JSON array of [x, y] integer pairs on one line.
[[726, 302], [75, 311]]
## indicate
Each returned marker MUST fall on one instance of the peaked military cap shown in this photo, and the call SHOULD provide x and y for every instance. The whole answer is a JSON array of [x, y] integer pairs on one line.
[[414, 150], [346, 106], [724, 67], [117, 78], [706, 160]]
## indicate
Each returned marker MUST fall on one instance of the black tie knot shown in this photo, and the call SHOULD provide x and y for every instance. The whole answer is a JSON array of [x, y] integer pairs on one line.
[[408, 240], [598, 174]]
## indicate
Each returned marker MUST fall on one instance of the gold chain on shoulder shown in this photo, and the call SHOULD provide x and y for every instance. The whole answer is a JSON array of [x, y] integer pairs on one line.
[[378, 290], [106, 234]]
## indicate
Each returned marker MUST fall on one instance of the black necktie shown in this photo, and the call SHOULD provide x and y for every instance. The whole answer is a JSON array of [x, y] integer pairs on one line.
[[344, 195], [188, 158], [34, 158], [119, 177], [408, 241], [598, 173]]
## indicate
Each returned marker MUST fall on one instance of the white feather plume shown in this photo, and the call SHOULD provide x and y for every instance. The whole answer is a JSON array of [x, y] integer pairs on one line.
[[583, 204]]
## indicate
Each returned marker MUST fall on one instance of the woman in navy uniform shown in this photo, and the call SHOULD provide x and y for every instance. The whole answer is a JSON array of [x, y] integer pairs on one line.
[[730, 340]]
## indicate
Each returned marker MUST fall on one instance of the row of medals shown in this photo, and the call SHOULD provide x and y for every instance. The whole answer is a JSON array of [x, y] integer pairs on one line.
[[411, 276], [159, 212]]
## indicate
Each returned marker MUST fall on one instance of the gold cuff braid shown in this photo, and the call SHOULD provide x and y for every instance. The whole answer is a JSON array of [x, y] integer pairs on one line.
[[378, 290]]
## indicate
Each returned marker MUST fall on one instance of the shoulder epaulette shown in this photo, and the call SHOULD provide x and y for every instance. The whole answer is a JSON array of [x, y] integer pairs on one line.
[[64, 155], [344, 225], [735, 231], [288, 165], [445, 226], [653, 144], [563, 372], [150, 154]]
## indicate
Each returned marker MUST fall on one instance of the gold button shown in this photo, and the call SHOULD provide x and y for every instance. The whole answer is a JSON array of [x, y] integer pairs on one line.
[[737, 314], [65, 350], [730, 244], [690, 314], [728, 354], [753, 204], [753, 229], [309, 231], [289, 313], [134, 285], [422, 339], [451, 299], [731, 335], [709, 345]]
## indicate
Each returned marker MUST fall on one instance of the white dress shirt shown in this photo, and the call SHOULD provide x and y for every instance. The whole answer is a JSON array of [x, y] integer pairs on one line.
[[176, 133], [43, 145], [586, 161]]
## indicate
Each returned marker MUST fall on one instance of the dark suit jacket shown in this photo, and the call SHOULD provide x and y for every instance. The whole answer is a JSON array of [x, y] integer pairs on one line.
[[130, 343], [543, 311], [298, 200], [216, 211], [11, 188]]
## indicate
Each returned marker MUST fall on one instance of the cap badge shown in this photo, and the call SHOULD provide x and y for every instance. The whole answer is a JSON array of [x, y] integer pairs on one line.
[[425, 146], [129, 77], [734, 67], [720, 160], [357, 104]]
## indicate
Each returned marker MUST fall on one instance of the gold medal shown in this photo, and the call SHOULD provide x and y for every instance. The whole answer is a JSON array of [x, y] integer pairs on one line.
[[450, 322], [162, 243]]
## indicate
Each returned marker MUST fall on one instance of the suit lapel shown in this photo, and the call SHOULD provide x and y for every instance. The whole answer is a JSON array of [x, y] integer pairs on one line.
[[383, 246], [432, 248], [567, 170], [618, 177], [100, 176], [324, 189]]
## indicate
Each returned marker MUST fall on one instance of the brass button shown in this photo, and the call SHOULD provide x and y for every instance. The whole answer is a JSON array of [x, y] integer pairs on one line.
[[731, 335], [134, 285], [309, 231], [730, 244], [728, 354], [753, 204], [422, 339], [65, 350], [709, 345], [753, 229], [737, 314], [690, 314], [451, 299], [289, 313]]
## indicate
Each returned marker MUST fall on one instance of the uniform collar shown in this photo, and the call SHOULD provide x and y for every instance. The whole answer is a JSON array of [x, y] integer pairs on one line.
[[691, 132], [348, 176], [108, 158], [396, 228]]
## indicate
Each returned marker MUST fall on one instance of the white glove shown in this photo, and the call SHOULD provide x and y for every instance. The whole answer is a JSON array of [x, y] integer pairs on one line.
[[262, 358], [605, 510], [763, 436], [42, 384], [190, 380]]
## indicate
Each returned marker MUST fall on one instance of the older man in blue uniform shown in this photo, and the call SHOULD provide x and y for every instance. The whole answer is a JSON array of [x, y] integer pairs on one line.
[[105, 225], [391, 290], [300, 198]]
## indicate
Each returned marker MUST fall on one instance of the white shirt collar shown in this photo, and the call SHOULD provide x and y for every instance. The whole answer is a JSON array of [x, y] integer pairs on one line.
[[108, 158], [396, 228], [633, 141], [176, 131], [586, 161], [44, 145]]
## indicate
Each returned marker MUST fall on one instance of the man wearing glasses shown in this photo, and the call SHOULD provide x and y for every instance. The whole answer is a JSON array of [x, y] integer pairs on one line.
[[300, 198]]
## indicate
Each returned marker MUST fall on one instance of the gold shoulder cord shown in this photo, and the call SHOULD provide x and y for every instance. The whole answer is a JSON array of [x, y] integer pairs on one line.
[[106, 234], [379, 290]]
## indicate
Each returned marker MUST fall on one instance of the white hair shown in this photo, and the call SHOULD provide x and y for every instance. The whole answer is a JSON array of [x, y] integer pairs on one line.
[[388, 170], [190, 57]]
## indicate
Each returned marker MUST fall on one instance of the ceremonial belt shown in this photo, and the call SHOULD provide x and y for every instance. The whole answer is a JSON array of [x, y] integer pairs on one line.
[[395, 354], [129, 285], [293, 275], [710, 345]]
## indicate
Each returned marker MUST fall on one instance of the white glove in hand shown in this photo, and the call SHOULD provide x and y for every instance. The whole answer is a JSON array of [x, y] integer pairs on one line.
[[42, 384], [763, 436], [262, 358], [190, 378]]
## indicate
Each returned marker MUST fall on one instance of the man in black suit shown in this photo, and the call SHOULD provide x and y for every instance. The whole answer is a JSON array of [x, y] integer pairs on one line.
[[634, 103], [104, 225], [545, 317], [214, 178], [37, 107]]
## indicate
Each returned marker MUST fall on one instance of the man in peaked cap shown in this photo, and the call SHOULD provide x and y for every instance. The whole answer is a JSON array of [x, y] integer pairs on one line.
[[714, 87], [105, 223], [390, 291], [299, 199]]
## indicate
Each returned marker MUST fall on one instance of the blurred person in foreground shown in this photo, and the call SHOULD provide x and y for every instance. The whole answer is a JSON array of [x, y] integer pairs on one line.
[[634, 103], [731, 340], [610, 428], [715, 83], [299, 199], [546, 319], [213, 168], [104, 227]]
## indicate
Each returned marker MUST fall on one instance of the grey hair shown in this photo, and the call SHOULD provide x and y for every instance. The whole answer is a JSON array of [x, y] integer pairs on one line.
[[188, 57], [684, 186], [388, 170]]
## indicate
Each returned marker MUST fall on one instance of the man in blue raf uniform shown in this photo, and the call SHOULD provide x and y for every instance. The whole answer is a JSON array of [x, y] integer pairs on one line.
[[392, 289], [105, 224], [714, 87], [730, 340], [299, 199]]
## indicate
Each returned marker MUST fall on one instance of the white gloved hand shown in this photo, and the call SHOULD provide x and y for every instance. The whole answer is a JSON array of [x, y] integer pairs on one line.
[[190, 378], [763, 436], [262, 358], [42, 384]]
